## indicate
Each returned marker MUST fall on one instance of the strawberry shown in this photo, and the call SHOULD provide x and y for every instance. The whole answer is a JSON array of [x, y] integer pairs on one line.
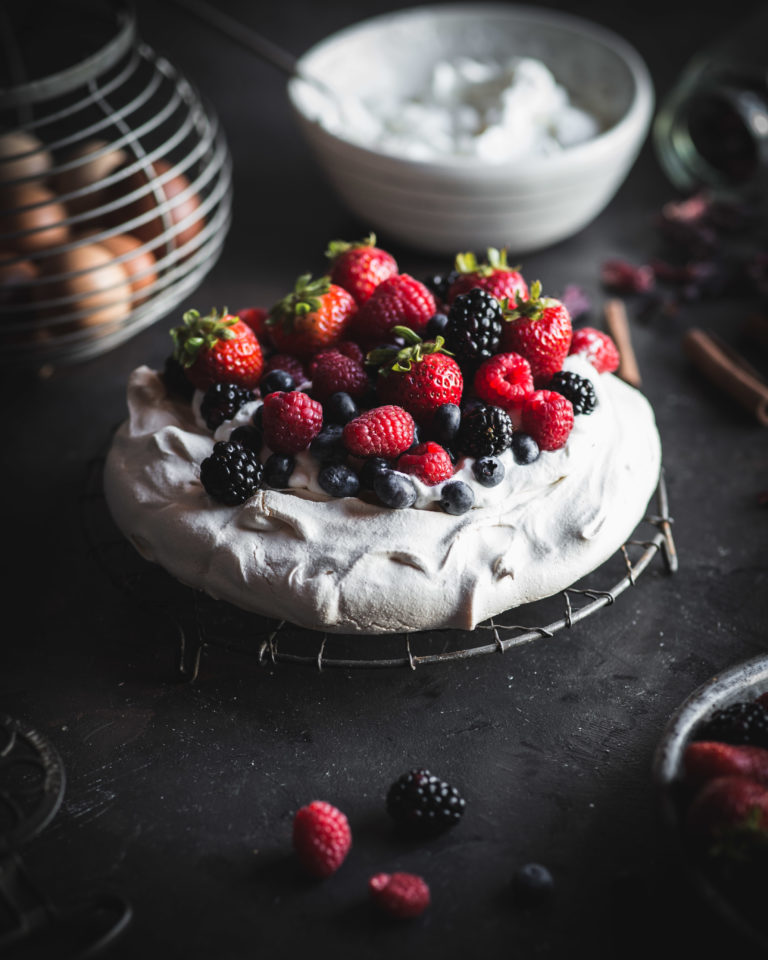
[[399, 894], [217, 349], [399, 300], [420, 377], [538, 328], [500, 280], [427, 461], [706, 760], [314, 316], [381, 432], [321, 838], [332, 371], [290, 421], [548, 418], [597, 347], [360, 267], [727, 805], [504, 381]]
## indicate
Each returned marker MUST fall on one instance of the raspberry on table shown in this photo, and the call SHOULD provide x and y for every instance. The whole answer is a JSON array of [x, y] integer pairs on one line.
[[505, 380], [475, 325], [424, 805], [427, 461], [485, 431], [221, 402], [290, 421], [380, 432], [232, 473], [321, 838], [399, 894], [744, 722], [548, 417], [596, 347], [579, 390]]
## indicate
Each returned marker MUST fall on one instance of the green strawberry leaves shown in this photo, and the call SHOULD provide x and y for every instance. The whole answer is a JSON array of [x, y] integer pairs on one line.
[[496, 260], [306, 298], [337, 247], [401, 359], [197, 333], [531, 309]]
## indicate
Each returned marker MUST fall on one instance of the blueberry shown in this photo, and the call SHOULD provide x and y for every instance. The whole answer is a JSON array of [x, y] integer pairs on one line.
[[278, 470], [248, 436], [488, 471], [276, 380], [445, 424], [258, 417], [533, 883], [340, 408], [436, 325], [338, 480], [524, 448], [395, 490], [372, 468], [327, 444], [456, 497]]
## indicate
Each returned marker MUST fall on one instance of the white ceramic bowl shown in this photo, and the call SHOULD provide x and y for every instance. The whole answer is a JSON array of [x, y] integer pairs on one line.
[[462, 204]]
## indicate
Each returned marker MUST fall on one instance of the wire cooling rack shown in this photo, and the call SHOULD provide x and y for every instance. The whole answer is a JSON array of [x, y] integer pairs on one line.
[[200, 623]]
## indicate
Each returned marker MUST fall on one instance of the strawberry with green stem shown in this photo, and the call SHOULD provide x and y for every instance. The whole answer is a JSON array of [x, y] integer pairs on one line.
[[495, 276], [217, 348], [315, 315], [360, 267], [539, 329]]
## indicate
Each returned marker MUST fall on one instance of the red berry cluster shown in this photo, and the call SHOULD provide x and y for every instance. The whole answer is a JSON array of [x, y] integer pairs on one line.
[[357, 366]]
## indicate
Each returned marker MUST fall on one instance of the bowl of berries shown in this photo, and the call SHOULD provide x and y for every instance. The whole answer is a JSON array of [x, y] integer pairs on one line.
[[711, 768], [473, 124]]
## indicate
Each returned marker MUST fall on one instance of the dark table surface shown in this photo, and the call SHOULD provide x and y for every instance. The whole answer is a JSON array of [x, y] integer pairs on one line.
[[180, 795]]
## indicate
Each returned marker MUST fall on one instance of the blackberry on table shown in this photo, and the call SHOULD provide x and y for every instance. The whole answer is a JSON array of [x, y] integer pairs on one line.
[[485, 431], [475, 326], [424, 805], [744, 722], [579, 390], [231, 474], [222, 401]]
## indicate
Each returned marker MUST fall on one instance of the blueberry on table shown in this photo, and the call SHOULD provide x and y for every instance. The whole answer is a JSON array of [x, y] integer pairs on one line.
[[339, 480], [533, 883]]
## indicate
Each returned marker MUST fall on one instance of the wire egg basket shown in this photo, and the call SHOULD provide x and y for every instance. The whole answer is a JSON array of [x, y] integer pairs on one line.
[[115, 195]]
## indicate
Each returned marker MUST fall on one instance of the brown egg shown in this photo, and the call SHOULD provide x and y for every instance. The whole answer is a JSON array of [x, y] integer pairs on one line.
[[152, 229], [37, 164], [104, 288], [45, 220], [16, 276], [140, 268], [90, 170]]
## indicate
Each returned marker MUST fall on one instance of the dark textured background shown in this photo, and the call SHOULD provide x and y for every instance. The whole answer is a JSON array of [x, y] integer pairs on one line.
[[181, 796]]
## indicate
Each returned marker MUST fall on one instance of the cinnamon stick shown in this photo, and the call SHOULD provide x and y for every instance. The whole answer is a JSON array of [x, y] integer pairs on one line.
[[618, 326], [725, 368]]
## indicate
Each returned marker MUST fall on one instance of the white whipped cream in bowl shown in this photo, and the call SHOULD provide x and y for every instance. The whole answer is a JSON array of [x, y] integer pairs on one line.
[[352, 566]]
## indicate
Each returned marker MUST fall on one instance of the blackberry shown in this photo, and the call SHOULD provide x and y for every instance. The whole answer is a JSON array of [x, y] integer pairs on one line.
[[441, 283], [231, 474], [524, 448], [424, 805], [222, 401], [276, 380], [488, 471], [474, 328], [175, 379], [277, 470], [533, 883], [338, 480], [247, 436], [579, 390], [740, 723], [457, 497], [485, 431]]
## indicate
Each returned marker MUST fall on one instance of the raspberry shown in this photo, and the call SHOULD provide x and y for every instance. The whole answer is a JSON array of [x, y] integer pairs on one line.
[[399, 894], [579, 390], [290, 421], [485, 431], [231, 474], [288, 363], [321, 838], [597, 347], [381, 432], [421, 803], [504, 381], [427, 461], [475, 325], [548, 417], [397, 301], [222, 401], [332, 371]]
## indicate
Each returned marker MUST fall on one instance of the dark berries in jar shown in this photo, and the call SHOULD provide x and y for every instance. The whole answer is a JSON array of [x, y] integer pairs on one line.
[[744, 722]]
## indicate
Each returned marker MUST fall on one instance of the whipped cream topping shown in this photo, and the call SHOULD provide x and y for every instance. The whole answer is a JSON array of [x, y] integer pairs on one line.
[[480, 109], [352, 566]]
